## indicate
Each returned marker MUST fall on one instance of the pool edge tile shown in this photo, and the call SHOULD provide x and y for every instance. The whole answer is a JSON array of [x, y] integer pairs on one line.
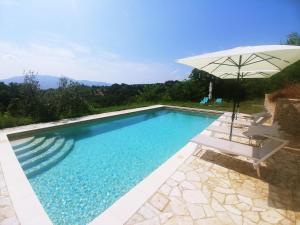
[[27, 207]]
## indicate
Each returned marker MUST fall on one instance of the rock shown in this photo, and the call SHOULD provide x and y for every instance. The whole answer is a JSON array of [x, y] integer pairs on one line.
[[159, 201], [194, 196], [154, 221], [196, 211], [249, 222], [260, 203], [216, 206], [233, 209], [251, 215], [147, 211], [236, 218], [219, 196], [164, 217], [178, 176], [172, 183], [225, 190], [175, 192], [224, 218], [177, 207], [208, 211], [231, 199], [165, 189], [10, 221], [179, 220], [193, 176], [244, 199], [187, 185], [208, 221], [271, 216], [135, 219], [243, 206]]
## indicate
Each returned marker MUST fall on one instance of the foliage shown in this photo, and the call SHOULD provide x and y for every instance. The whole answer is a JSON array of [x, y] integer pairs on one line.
[[293, 39], [6, 120]]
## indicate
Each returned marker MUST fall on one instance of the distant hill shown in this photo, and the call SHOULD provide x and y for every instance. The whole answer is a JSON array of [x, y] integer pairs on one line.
[[47, 81]]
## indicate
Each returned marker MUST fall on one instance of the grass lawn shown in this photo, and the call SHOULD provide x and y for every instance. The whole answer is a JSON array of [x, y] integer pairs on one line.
[[250, 107]]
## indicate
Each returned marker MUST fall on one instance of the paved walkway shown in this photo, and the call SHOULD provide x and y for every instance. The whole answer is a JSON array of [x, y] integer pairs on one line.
[[218, 189], [7, 212]]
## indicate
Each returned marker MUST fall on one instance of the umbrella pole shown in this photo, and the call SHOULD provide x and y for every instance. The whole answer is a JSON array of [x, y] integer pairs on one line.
[[232, 118], [238, 97], [235, 101]]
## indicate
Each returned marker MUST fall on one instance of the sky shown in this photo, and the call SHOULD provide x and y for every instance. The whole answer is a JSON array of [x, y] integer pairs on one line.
[[132, 41]]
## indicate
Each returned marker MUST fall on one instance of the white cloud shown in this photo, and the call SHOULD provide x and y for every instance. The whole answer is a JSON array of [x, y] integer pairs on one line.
[[79, 62]]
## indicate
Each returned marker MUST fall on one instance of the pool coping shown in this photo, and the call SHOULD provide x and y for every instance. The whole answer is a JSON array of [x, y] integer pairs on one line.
[[27, 206]]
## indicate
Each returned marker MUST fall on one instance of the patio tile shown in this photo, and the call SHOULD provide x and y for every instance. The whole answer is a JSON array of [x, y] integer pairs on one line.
[[159, 201], [7, 212], [271, 216], [224, 190]]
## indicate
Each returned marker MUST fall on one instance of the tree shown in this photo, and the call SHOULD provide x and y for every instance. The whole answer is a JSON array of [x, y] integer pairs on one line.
[[71, 98], [293, 39], [31, 95]]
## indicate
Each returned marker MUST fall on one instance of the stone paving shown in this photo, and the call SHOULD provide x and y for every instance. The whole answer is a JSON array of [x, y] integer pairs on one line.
[[218, 189], [7, 213]]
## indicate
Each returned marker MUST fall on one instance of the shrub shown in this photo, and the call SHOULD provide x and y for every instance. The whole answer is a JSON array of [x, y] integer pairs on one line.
[[7, 120]]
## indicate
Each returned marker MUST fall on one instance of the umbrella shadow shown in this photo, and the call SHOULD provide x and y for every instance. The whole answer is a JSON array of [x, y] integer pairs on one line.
[[281, 173]]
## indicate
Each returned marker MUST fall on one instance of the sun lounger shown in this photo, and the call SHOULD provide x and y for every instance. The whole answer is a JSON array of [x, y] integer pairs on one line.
[[226, 130], [253, 131], [257, 155], [247, 116], [258, 119], [238, 122], [218, 101], [204, 100], [261, 130]]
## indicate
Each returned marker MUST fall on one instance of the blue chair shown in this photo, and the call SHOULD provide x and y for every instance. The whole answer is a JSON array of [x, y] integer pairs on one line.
[[204, 100], [218, 101]]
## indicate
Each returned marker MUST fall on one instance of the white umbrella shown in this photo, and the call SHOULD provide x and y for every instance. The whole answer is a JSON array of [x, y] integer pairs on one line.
[[248, 74], [245, 62]]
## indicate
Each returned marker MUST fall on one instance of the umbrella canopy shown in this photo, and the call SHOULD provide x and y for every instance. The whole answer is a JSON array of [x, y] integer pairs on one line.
[[248, 74], [245, 62], [245, 59]]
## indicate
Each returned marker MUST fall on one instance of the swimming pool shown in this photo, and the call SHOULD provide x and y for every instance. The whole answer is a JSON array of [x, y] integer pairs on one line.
[[79, 171]]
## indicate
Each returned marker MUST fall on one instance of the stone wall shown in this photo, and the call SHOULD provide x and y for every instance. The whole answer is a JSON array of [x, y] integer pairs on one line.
[[286, 112], [270, 107]]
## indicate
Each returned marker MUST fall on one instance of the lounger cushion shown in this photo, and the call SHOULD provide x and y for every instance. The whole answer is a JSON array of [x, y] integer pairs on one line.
[[258, 154], [225, 146], [226, 130]]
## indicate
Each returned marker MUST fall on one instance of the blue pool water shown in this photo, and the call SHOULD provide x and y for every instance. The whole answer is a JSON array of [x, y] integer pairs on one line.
[[79, 171]]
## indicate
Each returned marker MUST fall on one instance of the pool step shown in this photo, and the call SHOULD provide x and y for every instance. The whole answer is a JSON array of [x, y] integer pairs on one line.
[[18, 144], [30, 146], [50, 162], [48, 143], [54, 149]]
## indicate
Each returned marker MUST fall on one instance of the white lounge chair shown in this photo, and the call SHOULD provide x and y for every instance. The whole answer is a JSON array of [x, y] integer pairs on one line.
[[247, 116], [252, 131], [261, 130], [243, 121], [258, 155], [240, 121], [226, 130]]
